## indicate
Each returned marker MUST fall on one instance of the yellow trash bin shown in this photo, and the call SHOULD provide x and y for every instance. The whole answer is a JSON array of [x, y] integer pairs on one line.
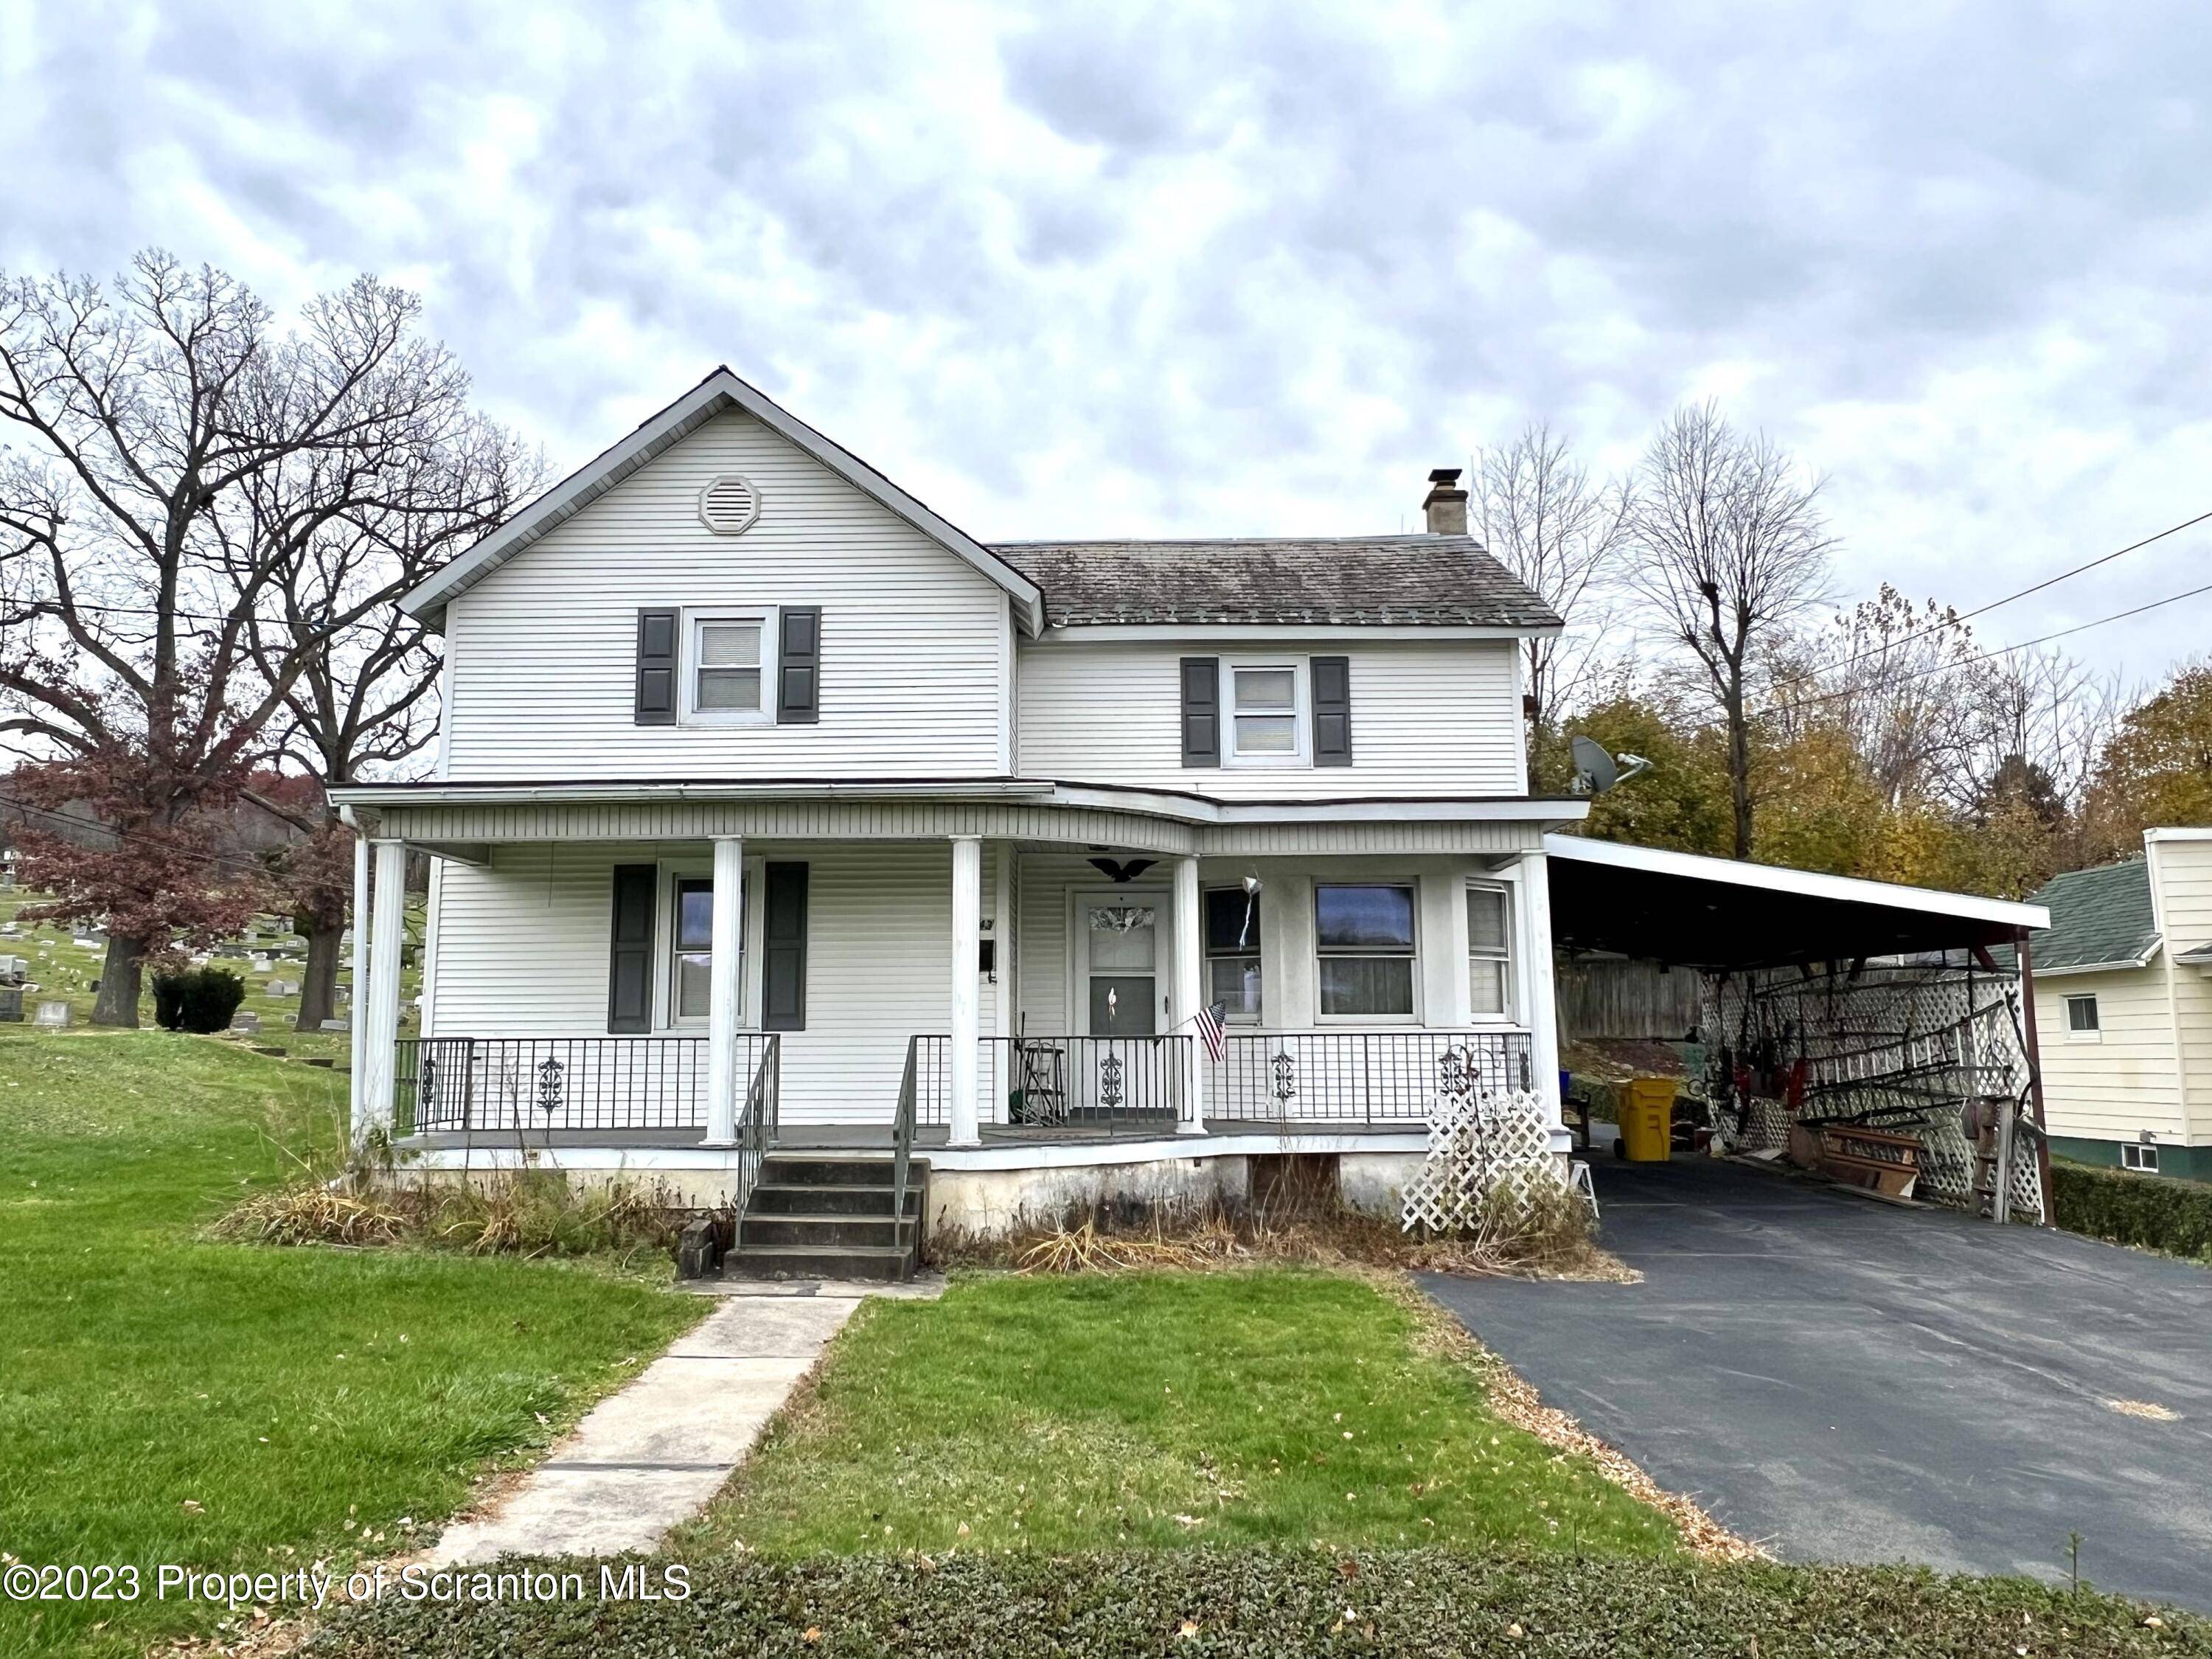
[[1647, 1119]]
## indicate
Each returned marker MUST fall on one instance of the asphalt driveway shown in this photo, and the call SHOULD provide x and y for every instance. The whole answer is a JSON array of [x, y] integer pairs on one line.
[[1846, 1381]]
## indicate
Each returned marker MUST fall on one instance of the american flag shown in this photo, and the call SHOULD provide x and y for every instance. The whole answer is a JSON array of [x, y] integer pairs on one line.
[[1210, 1029]]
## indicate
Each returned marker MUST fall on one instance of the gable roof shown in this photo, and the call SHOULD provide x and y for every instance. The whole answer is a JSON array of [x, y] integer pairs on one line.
[[720, 392], [2099, 917], [1417, 580]]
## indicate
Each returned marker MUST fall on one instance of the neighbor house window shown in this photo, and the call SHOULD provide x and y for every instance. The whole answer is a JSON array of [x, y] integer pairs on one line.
[[1489, 953], [692, 941], [2135, 1156], [2081, 1025], [726, 672], [1233, 953], [1264, 728], [1364, 944]]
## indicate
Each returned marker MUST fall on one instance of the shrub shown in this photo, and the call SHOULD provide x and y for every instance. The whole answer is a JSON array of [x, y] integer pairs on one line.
[[1260, 1603], [196, 998], [2157, 1213], [535, 1213]]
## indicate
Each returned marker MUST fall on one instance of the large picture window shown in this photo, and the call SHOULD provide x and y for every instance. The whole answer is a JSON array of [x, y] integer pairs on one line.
[[727, 678], [1363, 941], [1489, 951], [1233, 953]]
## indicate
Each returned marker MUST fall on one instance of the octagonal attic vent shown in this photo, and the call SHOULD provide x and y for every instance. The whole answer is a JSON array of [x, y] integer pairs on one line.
[[728, 505]]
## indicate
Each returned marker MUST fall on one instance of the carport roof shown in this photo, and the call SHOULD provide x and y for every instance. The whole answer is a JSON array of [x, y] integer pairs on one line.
[[1681, 908]]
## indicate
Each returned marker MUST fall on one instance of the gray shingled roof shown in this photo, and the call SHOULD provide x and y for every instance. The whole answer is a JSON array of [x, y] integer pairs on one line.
[[1419, 581], [2097, 916]]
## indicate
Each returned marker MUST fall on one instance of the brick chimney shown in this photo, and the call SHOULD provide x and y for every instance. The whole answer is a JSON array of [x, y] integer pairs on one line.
[[1446, 504]]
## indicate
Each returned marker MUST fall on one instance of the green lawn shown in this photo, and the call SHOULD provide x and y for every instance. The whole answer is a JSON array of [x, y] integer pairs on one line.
[[1275, 1406], [167, 1400]]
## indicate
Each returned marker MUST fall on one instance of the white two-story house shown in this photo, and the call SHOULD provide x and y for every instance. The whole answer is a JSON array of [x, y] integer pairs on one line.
[[770, 805]]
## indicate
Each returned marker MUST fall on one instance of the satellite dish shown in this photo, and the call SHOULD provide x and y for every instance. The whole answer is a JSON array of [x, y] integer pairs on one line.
[[1595, 771]]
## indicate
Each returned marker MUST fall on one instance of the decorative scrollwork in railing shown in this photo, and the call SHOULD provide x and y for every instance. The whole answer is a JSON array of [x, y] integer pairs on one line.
[[550, 1074]]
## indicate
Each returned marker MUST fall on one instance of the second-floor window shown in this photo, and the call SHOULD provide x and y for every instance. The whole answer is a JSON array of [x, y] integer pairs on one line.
[[728, 673], [1266, 723]]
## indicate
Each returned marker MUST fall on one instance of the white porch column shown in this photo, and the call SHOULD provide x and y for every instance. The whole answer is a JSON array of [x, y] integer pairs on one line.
[[357, 1007], [379, 1006], [1535, 886], [1189, 989], [967, 937], [725, 990]]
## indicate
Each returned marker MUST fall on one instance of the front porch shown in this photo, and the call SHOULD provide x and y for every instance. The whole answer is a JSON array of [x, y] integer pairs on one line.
[[1003, 984]]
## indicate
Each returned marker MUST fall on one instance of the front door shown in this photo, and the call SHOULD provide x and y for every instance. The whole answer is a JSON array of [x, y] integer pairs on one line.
[[1121, 955]]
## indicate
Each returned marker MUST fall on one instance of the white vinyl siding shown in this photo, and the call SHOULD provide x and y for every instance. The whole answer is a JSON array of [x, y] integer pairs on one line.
[[2123, 1081], [1439, 719], [542, 653], [2181, 874], [523, 947]]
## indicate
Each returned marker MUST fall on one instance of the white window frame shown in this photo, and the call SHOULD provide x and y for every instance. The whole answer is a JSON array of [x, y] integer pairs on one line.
[[1301, 711], [1233, 1015], [665, 1018], [2144, 1154], [688, 712], [1412, 884], [1508, 894], [2096, 1031]]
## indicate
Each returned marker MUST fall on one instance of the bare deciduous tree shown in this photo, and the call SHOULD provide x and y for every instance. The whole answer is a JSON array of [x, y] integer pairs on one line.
[[1731, 548], [143, 549], [1540, 515]]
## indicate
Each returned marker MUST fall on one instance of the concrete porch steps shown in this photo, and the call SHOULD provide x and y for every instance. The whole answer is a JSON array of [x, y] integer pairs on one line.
[[819, 1215]]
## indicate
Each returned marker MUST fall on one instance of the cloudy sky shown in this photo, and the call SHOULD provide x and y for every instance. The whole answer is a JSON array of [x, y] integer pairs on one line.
[[1088, 270]]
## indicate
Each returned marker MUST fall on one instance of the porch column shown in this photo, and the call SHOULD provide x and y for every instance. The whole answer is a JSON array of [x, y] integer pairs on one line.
[[725, 990], [967, 1026], [1543, 1012], [1189, 988], [357, 1008], [379, 1006]]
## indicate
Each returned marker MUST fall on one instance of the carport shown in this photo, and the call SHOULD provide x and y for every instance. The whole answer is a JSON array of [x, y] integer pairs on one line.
[[1884, 1032]]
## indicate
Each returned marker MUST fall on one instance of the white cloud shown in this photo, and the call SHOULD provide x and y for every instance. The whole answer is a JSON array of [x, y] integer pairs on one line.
[[1214, 269]]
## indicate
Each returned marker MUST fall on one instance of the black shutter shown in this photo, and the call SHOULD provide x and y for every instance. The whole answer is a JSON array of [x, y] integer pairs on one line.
[[630, 964], [799, 667], [1202, 711], [1332, 711], [783, 950], [656, 668]]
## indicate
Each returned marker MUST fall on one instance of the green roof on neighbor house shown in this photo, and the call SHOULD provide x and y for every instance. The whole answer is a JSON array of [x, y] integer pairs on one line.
[[2099, 918]]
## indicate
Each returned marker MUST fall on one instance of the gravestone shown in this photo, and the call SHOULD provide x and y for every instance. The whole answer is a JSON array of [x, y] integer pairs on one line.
[[246, 1020], [13, 968], [284, 987], [55, 1014], [337, 1025], [11, 1005]]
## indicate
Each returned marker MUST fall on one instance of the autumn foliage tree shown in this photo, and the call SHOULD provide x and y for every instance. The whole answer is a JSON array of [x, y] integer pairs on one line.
[[174, 454]]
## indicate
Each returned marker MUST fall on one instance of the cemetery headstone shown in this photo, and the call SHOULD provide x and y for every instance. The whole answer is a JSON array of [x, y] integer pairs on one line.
[[11, 1005], [337, 1025], [246, 1020], [55, 1014]]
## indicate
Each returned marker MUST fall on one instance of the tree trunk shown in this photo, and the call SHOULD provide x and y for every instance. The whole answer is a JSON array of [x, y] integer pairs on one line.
[[118, 1001], [1740, 771], [318, 982]]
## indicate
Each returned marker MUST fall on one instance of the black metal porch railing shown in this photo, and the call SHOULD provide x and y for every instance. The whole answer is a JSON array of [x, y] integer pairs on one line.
[[1359, 1077], [760, 1120], [523, 1084], [1137, 1085]]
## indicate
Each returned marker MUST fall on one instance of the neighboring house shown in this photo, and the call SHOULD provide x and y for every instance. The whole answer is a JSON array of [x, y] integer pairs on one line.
[[1003, 818], [2123, 1005]]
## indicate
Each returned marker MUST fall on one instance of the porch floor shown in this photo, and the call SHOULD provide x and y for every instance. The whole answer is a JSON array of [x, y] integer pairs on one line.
[[874, 1137]]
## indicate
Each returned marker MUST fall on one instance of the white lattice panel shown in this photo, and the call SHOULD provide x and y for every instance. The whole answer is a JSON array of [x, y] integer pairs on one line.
[[1480, 1146]]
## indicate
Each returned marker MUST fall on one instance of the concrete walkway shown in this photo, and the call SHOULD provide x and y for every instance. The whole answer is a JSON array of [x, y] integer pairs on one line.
[[652, 1455]]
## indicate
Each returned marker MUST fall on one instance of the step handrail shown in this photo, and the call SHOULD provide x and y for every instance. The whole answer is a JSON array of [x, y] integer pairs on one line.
[[903, 1140], [760, 1122]]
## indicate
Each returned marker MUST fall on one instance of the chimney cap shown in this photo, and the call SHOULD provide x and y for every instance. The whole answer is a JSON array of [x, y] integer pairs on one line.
[[1446, 476]]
